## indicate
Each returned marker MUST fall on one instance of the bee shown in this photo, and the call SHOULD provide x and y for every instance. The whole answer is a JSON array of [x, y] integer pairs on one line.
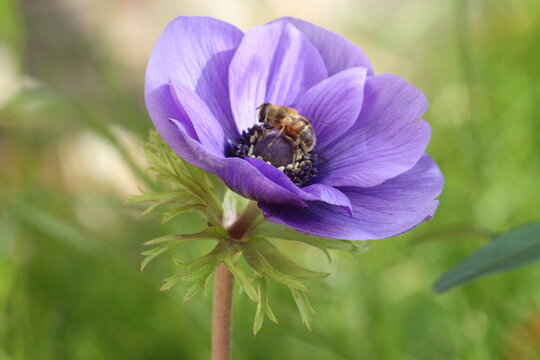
[[290, 124]]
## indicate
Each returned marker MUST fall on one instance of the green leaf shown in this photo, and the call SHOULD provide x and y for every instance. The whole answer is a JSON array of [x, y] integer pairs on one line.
[[203, 272], [203, 191], [171, 282], [262, 267], [243, 280], [277, 260], [169, 241], [169, 166], [181, 197], [200, 261], [173, 239], [216, 255], [196, 288], [517, 247], [278, 232], [152, 254], [263, 308], [304, 306], [259, 318], [175, 211], [172, 161], [202, 281], [199, 269], [160, 196], [234, 256]]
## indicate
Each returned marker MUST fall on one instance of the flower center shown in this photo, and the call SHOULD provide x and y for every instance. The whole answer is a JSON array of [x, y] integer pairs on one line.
[[263, 142], [274, 148]]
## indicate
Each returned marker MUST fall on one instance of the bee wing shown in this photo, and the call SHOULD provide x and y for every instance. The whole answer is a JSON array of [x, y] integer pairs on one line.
[[319, 121]]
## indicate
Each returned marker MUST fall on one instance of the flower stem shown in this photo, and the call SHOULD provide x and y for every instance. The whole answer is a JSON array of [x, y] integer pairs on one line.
[[223, 288], [239, 228], [221, 318]]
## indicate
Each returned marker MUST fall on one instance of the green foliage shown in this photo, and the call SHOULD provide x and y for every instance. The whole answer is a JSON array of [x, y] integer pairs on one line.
[[263, 307], [275, 231], [517, 247], [196, 190], [169, 241], [11, 30]]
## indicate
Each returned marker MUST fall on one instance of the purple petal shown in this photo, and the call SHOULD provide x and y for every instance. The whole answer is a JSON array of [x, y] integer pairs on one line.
[[194, 52], [334, 104], [384, 142], [162, 106], [275, 175], [330, 195], [337, 52], [274, 63], [236, 173], [315, 192], [382, 211], [207, 128]]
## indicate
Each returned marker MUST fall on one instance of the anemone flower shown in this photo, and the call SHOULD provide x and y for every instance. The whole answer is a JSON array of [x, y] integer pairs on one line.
[[367, 176]]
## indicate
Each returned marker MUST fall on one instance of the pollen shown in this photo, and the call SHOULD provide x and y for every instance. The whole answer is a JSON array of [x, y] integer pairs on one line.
[[263, 142]]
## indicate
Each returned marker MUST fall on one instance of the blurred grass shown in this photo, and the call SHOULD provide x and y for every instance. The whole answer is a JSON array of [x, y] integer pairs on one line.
[[69, 245]]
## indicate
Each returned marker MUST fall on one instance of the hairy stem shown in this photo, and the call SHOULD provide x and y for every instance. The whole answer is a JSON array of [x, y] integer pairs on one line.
[[239, 228], [223, 288], [221, 319]]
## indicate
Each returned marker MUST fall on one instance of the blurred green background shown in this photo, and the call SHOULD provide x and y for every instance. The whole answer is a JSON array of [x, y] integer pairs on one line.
[[72, 124]]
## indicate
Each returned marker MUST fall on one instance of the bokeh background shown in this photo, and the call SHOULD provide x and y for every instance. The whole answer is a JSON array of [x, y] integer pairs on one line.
[[72, 125]]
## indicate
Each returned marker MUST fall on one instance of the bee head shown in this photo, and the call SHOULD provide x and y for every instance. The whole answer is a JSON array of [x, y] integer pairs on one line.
[[263, 112]]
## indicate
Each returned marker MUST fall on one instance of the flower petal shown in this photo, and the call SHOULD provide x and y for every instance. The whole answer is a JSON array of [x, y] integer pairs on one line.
[[384, 142], [236, 173], [330, 195], [195, 52], [274, 63], [315, 192], [275, 175], [334, 104], [382, 211], [208, 130], [162, 106], [337, 52]]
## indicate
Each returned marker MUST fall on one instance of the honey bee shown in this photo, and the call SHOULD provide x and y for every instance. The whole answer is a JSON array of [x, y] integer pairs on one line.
[[290, 124]]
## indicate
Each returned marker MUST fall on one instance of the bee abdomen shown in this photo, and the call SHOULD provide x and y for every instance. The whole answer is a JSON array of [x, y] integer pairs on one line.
[[308, 138], [298, 126]]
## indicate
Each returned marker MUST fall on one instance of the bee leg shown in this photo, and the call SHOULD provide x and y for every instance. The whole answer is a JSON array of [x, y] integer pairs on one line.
[[295, 155], [304, 148], [278, 135]]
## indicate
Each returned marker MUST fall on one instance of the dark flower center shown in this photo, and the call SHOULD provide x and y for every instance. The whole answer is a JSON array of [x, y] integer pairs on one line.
[[263, 142], [274, 148]]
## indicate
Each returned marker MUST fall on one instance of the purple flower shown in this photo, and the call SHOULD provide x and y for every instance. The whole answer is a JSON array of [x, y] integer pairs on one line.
[[368, 176]]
